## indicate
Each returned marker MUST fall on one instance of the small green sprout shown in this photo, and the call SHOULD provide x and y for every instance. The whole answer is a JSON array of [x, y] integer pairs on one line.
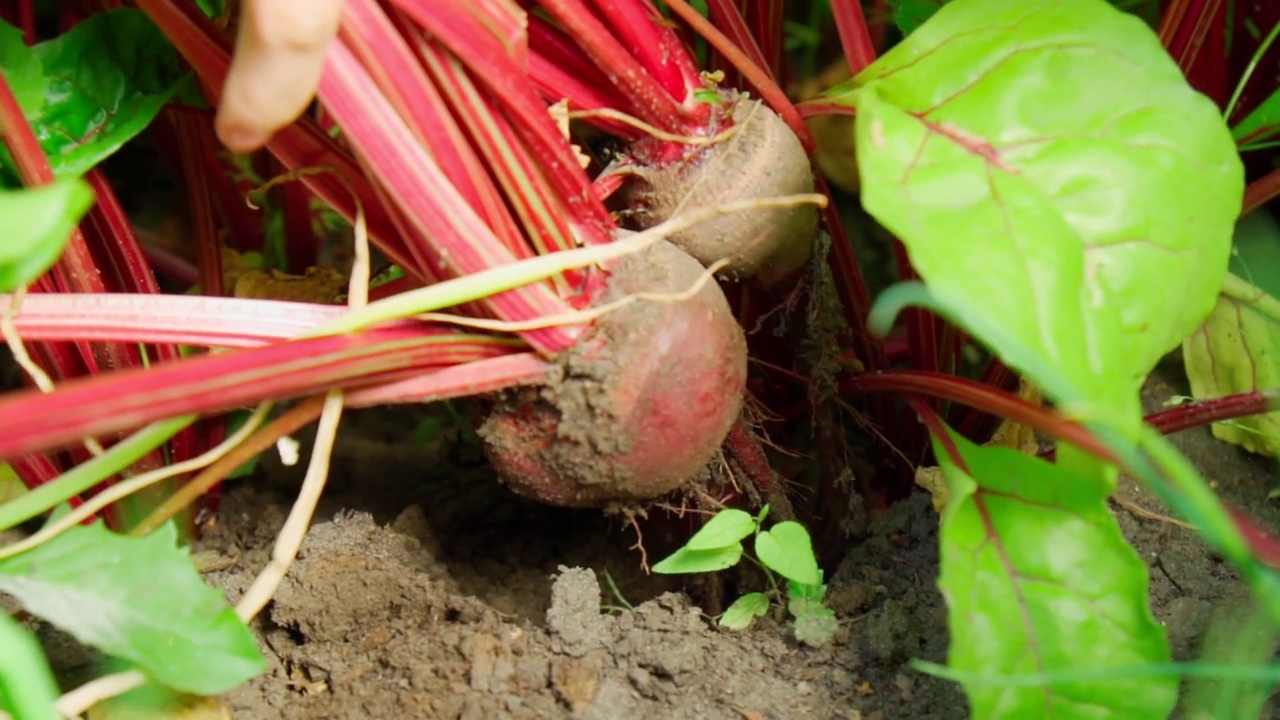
[[783, 550]]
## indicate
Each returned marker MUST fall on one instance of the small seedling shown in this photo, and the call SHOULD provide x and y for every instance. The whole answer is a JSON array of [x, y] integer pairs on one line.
[[784, 549]]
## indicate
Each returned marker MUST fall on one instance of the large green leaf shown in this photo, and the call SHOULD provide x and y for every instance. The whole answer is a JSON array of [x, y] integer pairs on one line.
[[1238, 350], [1038, 578], [37, 224], [1048, 168], [138, 599], [911, 14], [91, 89]]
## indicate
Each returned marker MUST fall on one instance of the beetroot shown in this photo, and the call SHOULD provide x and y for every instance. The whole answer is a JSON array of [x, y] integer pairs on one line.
[[640, 404], [762, 158]]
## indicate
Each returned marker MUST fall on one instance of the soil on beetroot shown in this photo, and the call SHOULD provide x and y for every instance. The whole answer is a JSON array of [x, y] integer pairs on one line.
[[427, 590]]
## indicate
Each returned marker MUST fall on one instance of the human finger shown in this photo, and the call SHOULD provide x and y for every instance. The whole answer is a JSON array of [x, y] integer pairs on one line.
[[280, 51]]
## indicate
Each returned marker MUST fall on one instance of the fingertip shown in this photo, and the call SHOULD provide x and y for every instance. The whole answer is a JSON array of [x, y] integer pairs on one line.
[[240, 138]]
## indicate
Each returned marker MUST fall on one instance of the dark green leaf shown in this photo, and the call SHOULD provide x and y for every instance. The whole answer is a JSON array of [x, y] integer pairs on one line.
[[727, 527], [785, 549], [104, 82], [744, 611], [139, 599], [685, 561], [38, 224], [1038, 579]]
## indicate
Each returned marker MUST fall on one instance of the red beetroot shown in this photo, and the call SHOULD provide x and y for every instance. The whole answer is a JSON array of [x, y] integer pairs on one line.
[[640, 404], [762, 158]]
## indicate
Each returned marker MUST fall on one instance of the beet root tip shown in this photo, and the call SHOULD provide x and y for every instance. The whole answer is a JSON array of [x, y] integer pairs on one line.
[[641, 403]]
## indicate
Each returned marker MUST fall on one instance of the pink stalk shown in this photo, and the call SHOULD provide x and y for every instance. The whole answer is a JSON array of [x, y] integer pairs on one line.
[[560, 70], [301, 145], [757, 76], [301, 244], [540, 212], [31, 421], [428, 201], [654, 103], [507, 83], [120, 250], [190, 138], [636, 25], [725, 14], [768, 18], [474, 378], [173, 319], [855, 37], [375, 41]]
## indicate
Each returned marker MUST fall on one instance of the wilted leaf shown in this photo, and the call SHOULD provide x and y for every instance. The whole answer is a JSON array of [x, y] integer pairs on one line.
[[1238, 350], [1038, 578], [138, 599]]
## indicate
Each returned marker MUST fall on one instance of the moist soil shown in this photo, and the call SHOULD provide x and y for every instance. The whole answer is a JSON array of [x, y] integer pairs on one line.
[[425, 589]]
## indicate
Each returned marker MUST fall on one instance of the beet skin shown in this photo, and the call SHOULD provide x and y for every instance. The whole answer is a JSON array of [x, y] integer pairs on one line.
[[640, 404], [761, 159]]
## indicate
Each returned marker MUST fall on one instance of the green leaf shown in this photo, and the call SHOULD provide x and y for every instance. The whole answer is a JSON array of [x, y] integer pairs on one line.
[[801, 591], [1260, 125], [22, 69], [785, 549], [103, 82], [1039, 579], [1061, 210], [138, 599], [744, 611], [1238, 350], [38, 224], [685, 561], [911, 14], [727, 527], [27, 688]]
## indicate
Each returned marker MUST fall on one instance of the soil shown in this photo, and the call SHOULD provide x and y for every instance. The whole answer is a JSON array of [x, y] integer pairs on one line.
[[425, 589]]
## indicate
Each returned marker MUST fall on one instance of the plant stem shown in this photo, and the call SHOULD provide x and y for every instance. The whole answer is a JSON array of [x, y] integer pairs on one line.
[[91, 472], [655, 102], [855, 37], [1211, 410], [757, 76]]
